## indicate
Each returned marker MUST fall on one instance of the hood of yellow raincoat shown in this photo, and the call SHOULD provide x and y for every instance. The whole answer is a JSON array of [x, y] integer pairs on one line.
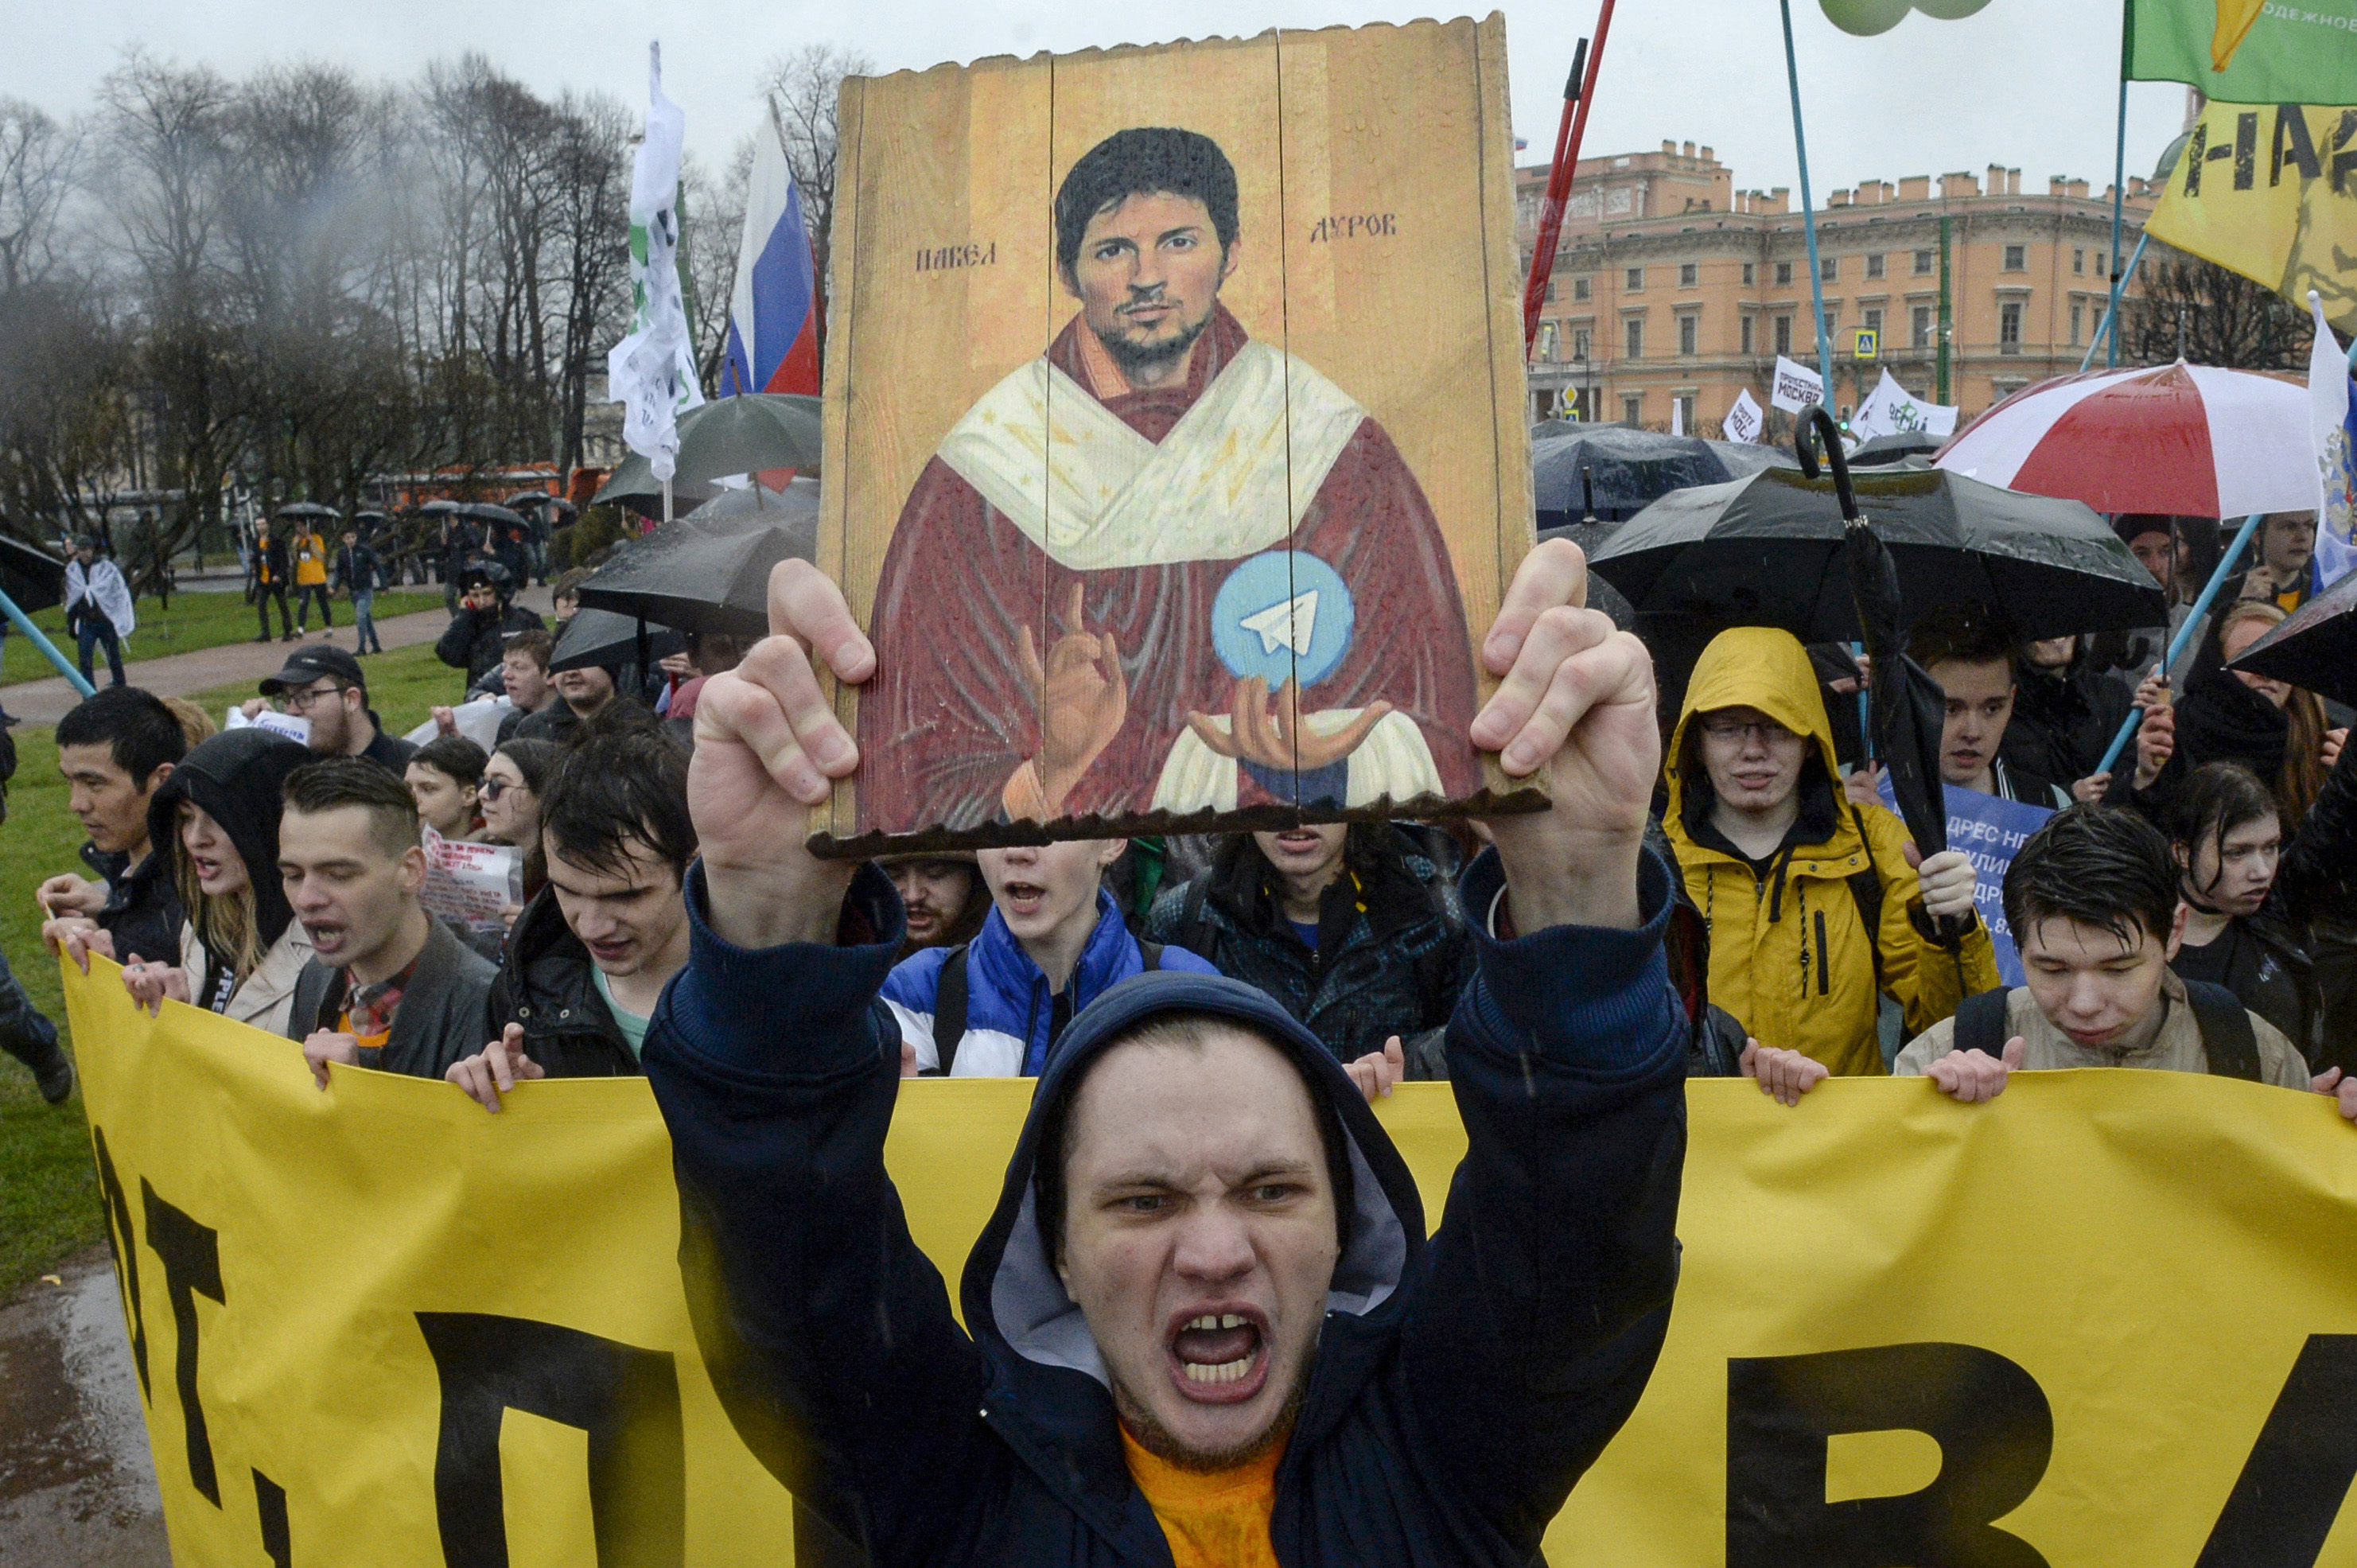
[[1753, 667]]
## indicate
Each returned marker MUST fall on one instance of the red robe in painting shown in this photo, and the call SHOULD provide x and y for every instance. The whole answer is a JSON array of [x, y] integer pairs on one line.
[[950, 715]]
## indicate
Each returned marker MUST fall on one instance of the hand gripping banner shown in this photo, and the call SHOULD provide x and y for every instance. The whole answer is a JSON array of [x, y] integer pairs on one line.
[[2110, 1318]]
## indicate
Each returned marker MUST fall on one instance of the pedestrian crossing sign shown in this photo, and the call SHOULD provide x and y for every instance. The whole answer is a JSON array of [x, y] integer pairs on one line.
[[1867, 343]]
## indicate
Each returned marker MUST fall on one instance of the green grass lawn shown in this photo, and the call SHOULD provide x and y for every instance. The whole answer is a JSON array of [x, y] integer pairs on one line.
[[48, 1207], [194, 621]]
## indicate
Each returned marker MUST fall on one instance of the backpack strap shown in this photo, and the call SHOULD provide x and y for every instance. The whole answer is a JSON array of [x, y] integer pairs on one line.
[[949, 1009], [1980, 1023], [2228, 1040], [1152, 953]]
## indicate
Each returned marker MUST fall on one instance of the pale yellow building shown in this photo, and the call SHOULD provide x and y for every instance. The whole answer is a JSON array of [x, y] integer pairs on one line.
[[1671, 285]]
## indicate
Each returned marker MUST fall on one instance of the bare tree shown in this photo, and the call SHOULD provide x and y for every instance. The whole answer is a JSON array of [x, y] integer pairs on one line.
[[2194, 310], [37, 174]]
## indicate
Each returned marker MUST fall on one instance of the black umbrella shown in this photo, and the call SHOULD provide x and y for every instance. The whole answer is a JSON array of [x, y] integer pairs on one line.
[[1768, 550], [729, 435], [795, 507], [483, 512], [1906, 705], [2316, 648], [602, 638], [34, 578], [527, 498], [1894, 448], [1628, 469], [699, 577], [307, 509], [1744, 459], [634, 485]]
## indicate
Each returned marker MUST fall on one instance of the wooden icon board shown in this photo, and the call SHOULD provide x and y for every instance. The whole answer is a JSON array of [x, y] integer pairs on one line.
[[1173, 436]]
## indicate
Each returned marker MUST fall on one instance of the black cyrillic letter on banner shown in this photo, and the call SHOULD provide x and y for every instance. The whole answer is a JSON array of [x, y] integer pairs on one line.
[[625, 1398], [1988, 1415]]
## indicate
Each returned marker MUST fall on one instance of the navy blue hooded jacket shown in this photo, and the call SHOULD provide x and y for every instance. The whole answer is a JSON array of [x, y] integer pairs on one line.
[[1461, 1385]]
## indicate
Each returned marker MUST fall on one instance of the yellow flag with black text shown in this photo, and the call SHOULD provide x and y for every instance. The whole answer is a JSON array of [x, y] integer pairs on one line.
[[2269, 190], [2109, 1319]]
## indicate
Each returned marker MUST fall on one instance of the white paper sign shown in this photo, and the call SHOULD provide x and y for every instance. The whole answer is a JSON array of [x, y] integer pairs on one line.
[[478, 721], [1795, 387], [294, 726], [1744, 421], [1893, 409], [470, 882]]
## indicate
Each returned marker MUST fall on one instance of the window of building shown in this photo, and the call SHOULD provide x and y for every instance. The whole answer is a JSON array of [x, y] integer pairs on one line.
[[1636, 279], [2078, 314], [2078, 261], [1688, 273], [1874, 266], [1550, 292], [1923, 263], [1579, 287], [1921, 335], [1689, 333], [1873, 323], [1579, 343], [1784, 271], [1686, 402], [1748, 269], [1632, 407], [1746, 329], [1829, 269], [1633, 335], [2009, 328], [2016, 258], [1784, 335]]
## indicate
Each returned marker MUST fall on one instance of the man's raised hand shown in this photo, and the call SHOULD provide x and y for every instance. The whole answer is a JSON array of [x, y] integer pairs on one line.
[[768, 748], [1946, 880], [1083, 702], [1577, 700], [1379, 1072]]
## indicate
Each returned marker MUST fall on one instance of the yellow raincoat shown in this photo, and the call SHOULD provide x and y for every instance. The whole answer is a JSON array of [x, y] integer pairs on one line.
[[1788, 951]]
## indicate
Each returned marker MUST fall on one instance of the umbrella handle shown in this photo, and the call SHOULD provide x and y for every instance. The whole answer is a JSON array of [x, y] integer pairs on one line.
[[1813, 425]]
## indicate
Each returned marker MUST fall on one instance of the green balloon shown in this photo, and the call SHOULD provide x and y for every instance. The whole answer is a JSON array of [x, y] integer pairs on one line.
[[1867, 18]]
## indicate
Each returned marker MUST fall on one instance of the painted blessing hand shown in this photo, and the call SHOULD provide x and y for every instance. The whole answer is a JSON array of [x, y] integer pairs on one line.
[[1280, 740], [1083, 701]]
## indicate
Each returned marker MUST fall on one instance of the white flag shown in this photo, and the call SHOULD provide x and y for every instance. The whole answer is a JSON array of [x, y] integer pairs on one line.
[[2334, 424], [1892, 409], [1743, 420], [1795, 387], [651, 372]]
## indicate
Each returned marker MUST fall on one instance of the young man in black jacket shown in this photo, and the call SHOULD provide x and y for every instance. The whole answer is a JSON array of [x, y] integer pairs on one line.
[[271, 577], [115, 750], [591, 953], [475, 638], [1206, 1256]]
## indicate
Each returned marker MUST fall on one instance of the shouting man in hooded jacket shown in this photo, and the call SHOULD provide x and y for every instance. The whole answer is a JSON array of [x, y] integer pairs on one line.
[[1205, 1324]]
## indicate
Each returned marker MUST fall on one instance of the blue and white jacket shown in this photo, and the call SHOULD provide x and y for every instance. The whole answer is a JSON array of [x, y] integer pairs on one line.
[[1009, 1009]]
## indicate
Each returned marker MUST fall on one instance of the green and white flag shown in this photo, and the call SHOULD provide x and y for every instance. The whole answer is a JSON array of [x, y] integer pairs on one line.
[[2247, 52], [651, 372]]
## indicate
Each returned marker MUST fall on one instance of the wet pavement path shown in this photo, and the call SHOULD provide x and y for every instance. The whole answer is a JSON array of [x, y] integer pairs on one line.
[[77, 1484]]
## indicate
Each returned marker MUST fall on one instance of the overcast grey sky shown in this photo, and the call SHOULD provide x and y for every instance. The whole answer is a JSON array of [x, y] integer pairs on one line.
[[2027, 83]]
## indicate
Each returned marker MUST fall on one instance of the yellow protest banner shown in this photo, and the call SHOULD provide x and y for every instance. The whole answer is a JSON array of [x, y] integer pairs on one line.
[[2269, 190], [2110, 1319]]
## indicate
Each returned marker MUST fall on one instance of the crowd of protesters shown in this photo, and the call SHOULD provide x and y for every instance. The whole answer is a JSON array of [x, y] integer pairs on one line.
[[1718, 890], [1821, 942]]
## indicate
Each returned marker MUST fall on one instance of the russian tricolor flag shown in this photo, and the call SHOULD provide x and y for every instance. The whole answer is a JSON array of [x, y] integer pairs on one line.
[[773, 315]]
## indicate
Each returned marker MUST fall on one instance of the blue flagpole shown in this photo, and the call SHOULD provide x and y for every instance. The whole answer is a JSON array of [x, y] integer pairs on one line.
[[2119, 200], [2110, 327], [23, 623], [2226, 564], [1808, 205]]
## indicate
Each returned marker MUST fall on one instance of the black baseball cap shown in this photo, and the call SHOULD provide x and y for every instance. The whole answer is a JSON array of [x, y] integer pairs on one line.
[[306, 665]]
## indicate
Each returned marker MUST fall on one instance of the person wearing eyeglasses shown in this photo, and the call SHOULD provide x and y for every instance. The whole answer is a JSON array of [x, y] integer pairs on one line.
[[325, 685], [1812, 910]]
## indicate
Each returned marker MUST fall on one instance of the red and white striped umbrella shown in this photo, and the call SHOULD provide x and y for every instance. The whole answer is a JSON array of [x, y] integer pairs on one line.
[[2189, 439]]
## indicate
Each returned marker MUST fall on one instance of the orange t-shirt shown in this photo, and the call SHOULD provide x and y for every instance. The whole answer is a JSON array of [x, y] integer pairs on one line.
[[1218, 1520]]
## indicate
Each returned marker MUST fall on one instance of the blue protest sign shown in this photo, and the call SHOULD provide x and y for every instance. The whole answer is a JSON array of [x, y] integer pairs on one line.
[[1988, 829]]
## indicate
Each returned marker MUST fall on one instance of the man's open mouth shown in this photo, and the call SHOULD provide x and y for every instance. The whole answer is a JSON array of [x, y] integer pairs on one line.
[[324, 938], [1219, 1357], [1024, 896]]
